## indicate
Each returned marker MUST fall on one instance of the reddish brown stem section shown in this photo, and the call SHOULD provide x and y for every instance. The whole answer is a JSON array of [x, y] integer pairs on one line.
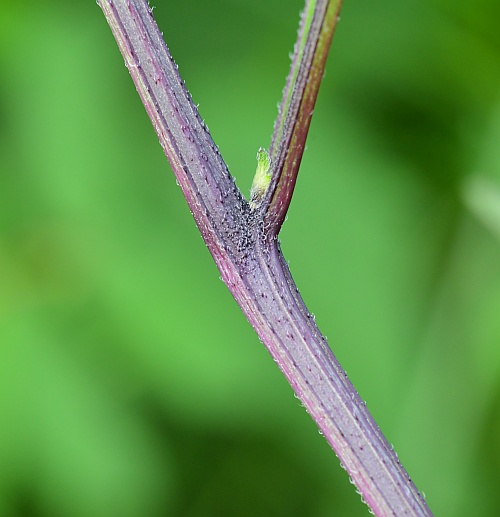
[[297, 107]]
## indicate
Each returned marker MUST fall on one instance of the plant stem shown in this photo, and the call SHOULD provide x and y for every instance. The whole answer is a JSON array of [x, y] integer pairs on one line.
[[243, 241], [318, 22]]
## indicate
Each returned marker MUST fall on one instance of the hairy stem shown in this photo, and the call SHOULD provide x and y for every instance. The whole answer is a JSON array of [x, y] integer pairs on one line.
[[317, 26], [243, 241]]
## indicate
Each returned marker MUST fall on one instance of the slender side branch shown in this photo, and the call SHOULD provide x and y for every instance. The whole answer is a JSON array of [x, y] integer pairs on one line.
[[242, 238], [318, 23]]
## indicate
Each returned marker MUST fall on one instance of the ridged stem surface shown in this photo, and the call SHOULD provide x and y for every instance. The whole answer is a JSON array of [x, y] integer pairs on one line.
[[243, 241]]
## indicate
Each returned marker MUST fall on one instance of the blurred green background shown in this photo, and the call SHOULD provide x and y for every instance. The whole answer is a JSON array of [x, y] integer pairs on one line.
[[130, 383]]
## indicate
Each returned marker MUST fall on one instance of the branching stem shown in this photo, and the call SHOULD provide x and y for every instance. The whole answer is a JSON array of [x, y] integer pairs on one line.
[[243, 241]]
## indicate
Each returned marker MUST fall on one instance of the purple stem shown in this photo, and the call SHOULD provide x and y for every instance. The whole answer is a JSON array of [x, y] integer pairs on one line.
[[251, 264]]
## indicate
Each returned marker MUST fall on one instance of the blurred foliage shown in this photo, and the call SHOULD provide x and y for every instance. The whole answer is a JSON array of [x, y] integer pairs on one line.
[[130, 383]]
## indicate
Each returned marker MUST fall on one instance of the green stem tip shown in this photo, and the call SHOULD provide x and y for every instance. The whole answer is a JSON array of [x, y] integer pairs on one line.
[[261, 179]]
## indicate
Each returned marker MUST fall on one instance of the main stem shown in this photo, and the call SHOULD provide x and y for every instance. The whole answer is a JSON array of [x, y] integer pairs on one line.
[[271, 301], [246, 250]]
